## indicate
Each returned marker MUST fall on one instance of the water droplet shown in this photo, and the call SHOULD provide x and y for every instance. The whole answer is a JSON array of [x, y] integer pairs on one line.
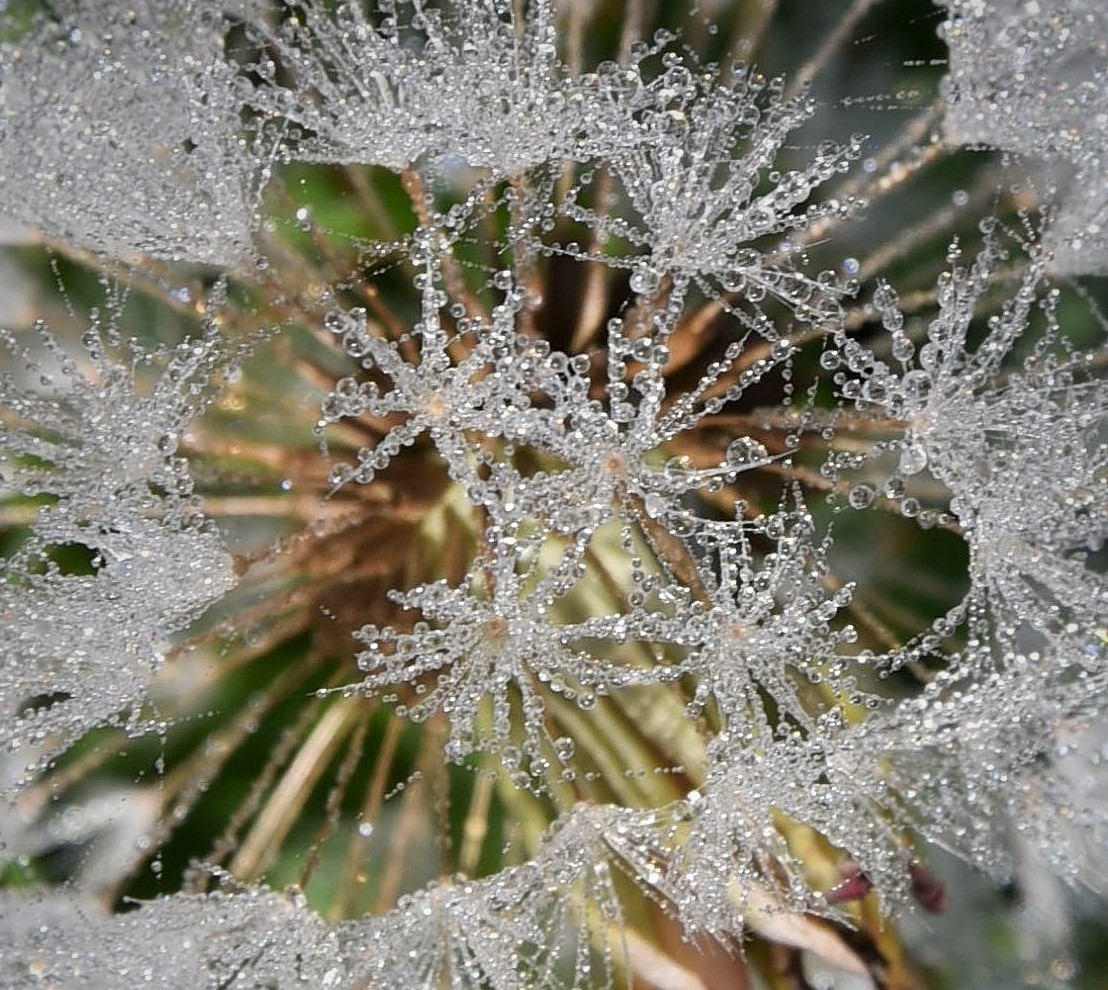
[[644, 280], [913, 458], [746, 452], [861, 496]]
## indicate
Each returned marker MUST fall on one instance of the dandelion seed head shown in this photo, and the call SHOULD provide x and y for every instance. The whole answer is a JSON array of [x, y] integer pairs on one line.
[[703, 554]]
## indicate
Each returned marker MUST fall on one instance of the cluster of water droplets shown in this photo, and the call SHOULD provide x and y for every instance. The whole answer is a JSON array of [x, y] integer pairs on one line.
[[122, 133], [489, 641], [485, 653], [1009, 420], [255, 939], [560, 453], [699, 163], [546, 923], [1018, 446], [79, 433], [405, 82], [452, 374], [1032, 78]]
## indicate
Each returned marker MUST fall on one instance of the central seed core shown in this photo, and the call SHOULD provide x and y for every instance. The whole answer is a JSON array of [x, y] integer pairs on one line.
[[435, 407], [615, 463]]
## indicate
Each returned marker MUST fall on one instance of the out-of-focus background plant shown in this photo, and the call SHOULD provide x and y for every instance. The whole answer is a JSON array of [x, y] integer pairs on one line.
[[556, 494]]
